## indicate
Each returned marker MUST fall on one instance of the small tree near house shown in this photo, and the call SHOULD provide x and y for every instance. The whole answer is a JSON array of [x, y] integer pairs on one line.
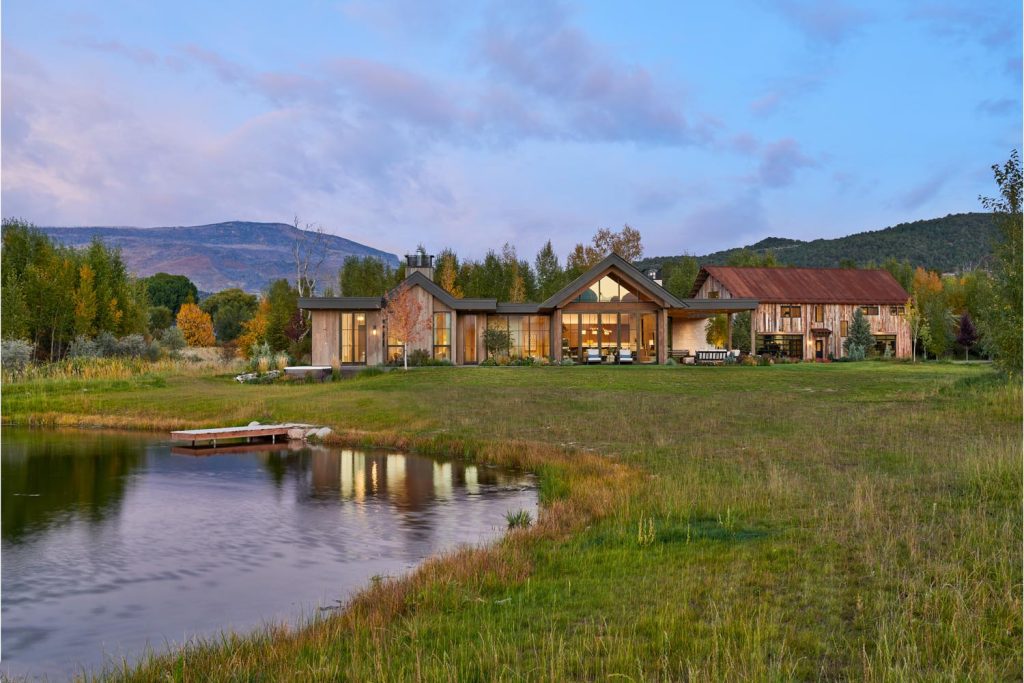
[[404, 319], [968, 335], [860, 338], [914, 316]]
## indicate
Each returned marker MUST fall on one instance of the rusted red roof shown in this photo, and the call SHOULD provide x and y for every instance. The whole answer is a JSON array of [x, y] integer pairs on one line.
[[807, 285]]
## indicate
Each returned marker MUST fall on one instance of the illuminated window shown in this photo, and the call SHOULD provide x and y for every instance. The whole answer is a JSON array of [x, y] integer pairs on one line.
[[869, 310], [352, 347], [844, 328], [790, 310], [897, 310], [819, 314], [443, 335], [713, 294]]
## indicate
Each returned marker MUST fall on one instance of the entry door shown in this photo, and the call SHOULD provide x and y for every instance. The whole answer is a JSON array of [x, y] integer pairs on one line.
[[819, 349], [469, 339]]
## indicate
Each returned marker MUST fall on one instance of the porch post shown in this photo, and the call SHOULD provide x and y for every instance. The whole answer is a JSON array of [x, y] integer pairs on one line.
[[753, 336], [556, 335], [728, 334], [662, 336]]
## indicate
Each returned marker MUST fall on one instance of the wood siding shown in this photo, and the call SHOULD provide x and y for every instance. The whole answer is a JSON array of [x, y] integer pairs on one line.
[[768, 320]]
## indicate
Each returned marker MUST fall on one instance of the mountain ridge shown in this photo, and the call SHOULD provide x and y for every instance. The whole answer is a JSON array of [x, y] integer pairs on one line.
[[216, 256], [951, 243]]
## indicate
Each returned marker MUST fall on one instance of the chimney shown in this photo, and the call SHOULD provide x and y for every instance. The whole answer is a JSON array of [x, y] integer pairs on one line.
[[420, 262]]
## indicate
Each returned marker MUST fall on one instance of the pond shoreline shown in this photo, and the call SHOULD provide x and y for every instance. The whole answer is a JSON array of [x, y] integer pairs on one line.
[[311, 617]]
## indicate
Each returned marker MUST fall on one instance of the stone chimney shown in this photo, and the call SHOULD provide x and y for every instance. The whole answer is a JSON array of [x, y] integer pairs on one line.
[[420, 262]]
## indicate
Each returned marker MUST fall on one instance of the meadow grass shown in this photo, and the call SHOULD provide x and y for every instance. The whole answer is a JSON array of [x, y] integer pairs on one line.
[[846, 521]]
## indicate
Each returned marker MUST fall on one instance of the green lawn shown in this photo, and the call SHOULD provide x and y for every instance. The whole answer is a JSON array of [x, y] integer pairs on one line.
[[843, 521]]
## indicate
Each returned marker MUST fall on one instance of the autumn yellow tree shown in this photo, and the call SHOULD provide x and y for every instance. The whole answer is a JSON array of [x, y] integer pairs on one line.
[[405, 319], [254, 330], [447, 271], [85, 301], [195, 325]]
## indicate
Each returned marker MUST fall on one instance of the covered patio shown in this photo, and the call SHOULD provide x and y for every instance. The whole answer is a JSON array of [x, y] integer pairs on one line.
[[688, 324]]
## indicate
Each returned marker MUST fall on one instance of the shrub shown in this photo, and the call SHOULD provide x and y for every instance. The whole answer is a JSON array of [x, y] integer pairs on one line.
[[671, 361], [854, 352], [131, 346], [488, 362], [106, 345], [567, 362], [15, 355], [419, 357], [371, 371], [152, 351], [83, 347], [263, 364], [525, 361], [748, 360], [173, 340], [281, 361]]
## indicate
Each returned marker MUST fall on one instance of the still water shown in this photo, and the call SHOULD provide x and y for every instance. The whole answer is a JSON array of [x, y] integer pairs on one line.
[[113, 542]]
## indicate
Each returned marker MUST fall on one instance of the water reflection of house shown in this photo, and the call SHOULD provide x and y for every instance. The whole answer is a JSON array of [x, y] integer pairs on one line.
[[406, 481]]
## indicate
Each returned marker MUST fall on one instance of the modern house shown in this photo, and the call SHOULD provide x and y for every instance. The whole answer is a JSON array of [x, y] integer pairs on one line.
[[806, 312], [611, 309]]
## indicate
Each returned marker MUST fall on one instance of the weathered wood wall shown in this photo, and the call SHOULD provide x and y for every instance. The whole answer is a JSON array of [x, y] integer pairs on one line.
[[768, 320]]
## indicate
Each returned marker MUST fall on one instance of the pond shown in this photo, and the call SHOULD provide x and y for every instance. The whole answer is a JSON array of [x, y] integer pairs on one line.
[[113, 542]]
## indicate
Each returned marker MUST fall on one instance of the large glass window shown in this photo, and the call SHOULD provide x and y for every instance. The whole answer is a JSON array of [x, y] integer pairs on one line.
[[443, 335], [589, 332], [538, 343], [528, 335], [571, 336], [606, 290], [352, 348], [883, 342], [791, 345]]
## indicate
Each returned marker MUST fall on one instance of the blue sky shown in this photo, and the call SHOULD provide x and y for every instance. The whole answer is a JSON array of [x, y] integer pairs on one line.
[[704, 125]]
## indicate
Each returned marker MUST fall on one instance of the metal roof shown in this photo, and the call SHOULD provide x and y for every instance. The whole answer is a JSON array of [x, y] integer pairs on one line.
[[806, 285], [341, 303], [517, 308]]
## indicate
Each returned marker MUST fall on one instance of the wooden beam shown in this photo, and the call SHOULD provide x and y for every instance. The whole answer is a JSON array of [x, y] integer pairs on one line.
[[728, 334], [753, 334]]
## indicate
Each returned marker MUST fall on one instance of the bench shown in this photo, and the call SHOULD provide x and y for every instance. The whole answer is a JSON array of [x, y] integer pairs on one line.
[[714, 356]]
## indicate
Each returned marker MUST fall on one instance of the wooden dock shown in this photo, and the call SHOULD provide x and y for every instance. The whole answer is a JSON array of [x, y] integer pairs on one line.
[[228, 433]]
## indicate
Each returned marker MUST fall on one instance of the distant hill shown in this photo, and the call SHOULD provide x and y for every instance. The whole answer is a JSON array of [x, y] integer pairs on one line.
[[953, 243], [217, 256]]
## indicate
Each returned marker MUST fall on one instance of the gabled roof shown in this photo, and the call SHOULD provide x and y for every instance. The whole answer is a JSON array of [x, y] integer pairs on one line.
[[438, 292], [613, 260], [806, 285]]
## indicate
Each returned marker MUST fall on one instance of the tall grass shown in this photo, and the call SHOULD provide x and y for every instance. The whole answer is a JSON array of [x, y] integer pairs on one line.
[[852, 521]]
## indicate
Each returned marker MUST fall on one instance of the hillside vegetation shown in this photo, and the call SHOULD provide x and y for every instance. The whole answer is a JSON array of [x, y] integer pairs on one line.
[[239, 254], [956, 242]]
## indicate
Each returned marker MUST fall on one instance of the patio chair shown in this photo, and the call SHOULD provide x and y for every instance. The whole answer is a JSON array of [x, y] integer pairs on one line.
[[593, 356], [625, 357]]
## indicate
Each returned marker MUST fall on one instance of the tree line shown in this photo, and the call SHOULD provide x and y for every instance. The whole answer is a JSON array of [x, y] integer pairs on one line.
[[52, 294]]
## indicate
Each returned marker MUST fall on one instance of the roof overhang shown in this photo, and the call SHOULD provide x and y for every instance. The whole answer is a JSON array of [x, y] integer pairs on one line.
[[610, 263], [341, 303]]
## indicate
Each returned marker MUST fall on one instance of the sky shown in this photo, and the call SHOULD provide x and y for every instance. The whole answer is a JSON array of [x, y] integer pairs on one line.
[[705, 125]]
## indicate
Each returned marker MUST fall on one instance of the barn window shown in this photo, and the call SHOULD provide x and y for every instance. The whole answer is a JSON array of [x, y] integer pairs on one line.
[[869, 310], [896, 310], [819, 314], [844, 328], [790, 310]]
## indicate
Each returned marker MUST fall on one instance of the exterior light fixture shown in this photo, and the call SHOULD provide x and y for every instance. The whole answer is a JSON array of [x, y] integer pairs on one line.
[[375, 330]]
